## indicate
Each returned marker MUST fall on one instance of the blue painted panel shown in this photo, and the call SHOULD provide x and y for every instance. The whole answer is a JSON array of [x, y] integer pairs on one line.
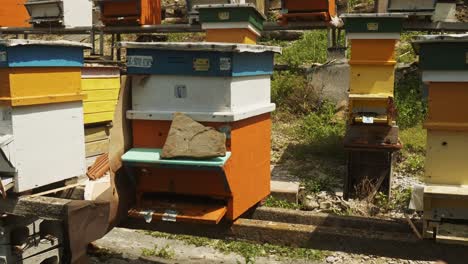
[[198, 63], [3, 57], [44, 56], [248, 64]]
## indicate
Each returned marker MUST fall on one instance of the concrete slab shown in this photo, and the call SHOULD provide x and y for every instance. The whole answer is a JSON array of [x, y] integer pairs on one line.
[[284, 186]]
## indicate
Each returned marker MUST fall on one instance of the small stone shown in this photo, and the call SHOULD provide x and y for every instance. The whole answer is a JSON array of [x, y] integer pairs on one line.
[[310, 204], [331, 259], [325, 205], [366, 257], [322, 195]]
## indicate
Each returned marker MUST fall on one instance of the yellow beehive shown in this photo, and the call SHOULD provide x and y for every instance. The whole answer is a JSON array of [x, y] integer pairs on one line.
[[101, 84], [372, 79], [374, 106], [446, 158], [233, 35], [26, 86], [373, 51]]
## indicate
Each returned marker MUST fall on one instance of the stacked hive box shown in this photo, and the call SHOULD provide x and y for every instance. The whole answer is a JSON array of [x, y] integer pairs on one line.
[[42, 112], [62, 13], [16, 7], [101, 85], [130, 12], [226, 86], [232, 23], [307, 10], [372, 134], [438, 10], [444, 64]]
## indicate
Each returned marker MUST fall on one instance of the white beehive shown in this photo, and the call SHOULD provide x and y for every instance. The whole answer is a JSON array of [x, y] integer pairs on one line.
[[46, 143], [66, 13]]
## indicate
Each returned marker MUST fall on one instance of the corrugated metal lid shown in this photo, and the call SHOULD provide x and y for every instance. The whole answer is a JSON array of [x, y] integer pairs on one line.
[[26, 42], [418, 40], [374, 15], [200, 46], [247, 5]]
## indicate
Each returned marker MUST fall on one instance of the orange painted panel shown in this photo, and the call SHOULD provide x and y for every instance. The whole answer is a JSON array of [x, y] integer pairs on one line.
[[373, 51], [446, 106], [247, 171], [13, 14], [142, 12], [235, 35], [307, 6]]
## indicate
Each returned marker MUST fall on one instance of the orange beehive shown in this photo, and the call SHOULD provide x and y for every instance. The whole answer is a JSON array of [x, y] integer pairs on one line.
[[247, 172], [308, 10], [139, 12], [13, 14]]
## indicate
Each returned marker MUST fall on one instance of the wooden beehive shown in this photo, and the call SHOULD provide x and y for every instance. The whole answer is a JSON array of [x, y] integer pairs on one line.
[[101, 85], [16, 7], [63, 13], [231, 23], [218, 85], [298, 10], [130, 12], [56, 119]]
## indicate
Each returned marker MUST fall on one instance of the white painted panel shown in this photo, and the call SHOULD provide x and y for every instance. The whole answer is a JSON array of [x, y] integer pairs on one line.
[[231, 25], [164, 93], [77, 13], [230, 116], [45, 10], [49, 141], [250, 91], [445, 76]]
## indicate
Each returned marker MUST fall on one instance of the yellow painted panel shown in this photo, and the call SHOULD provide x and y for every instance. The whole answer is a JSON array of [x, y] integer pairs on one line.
[[35, 82], [92, 118], [235, 35], [446, 103], [35, 100], [100, 84], [446, 157], [102, 95], [373, 79], [101, 106], [377, 50]]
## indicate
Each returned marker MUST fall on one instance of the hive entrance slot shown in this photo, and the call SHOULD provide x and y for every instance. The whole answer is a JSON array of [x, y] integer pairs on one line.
[[179, 208]]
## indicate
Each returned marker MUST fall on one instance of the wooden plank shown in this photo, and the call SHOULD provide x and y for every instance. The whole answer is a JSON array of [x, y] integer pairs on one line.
[[94, 118], [97, 147], [452, 234], [100, 84], [100, 106], [102, 95], [96, 133]]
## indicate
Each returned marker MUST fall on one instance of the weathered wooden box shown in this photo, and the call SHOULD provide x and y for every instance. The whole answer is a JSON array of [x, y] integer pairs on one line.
[[65, 13], [101, 85], [308, 10], [13, 14], [133, 12]]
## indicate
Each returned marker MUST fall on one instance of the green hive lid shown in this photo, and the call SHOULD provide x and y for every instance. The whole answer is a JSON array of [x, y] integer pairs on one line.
[[200, 46], [230, 6], [374, 23], [449, 38]]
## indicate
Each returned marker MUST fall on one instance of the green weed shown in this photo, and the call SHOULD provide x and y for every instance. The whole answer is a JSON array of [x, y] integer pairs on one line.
[[165, 252], [311, 48], [278, 203], [399, 201]]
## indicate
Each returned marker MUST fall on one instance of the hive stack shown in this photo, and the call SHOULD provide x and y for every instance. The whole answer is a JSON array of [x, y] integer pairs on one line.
[[60, 13], [231, 23], [372, 134], [42, 112], [219, 86], [130, 12], [16, 7], [299, 10], [446, 171], [101, 85]]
